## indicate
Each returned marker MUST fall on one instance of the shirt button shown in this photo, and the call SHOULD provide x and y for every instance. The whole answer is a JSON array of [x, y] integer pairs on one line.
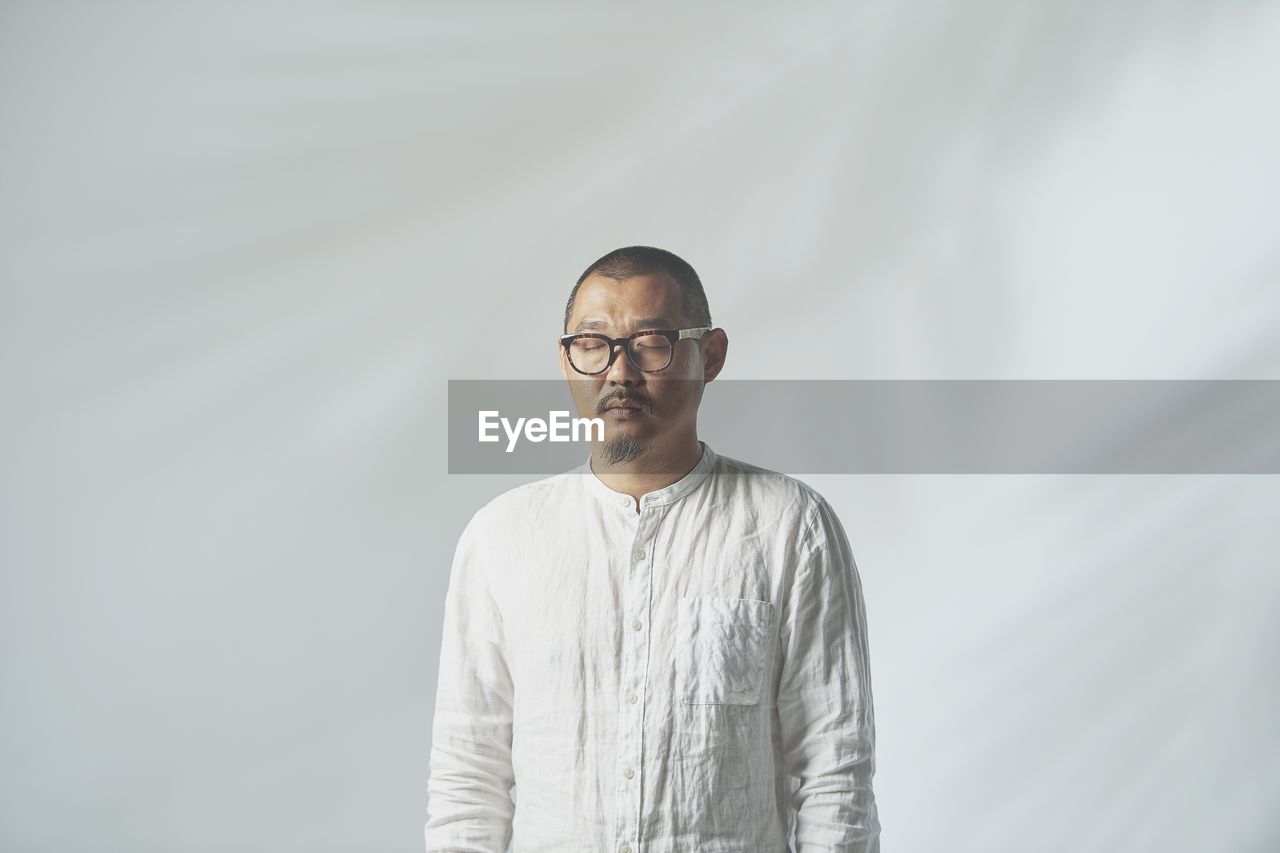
[[640, 555], [628, 773], [631, 697], [626, 848], [635, 623]]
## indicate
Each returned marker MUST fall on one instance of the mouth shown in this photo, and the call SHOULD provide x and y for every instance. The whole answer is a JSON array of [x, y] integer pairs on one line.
[[625, 409]]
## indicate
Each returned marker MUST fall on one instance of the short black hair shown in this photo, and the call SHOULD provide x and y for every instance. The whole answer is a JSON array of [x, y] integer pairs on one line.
[[629, 261]]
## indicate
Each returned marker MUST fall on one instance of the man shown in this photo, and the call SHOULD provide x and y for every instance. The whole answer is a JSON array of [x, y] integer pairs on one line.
[[664, 649]]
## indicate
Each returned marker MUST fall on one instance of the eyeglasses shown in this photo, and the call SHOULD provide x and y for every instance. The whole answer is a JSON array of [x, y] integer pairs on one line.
[[650, 350]]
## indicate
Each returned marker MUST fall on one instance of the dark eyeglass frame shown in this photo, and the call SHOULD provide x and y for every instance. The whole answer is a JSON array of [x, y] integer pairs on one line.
[[674, 336]]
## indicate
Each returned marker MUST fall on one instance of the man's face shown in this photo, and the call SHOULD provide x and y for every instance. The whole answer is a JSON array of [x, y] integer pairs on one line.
[[641, 411]]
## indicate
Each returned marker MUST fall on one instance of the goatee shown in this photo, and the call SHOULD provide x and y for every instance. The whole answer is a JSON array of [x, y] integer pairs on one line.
[[623, 450]]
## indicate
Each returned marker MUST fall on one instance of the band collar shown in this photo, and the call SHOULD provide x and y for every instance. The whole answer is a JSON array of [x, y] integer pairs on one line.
[[665, 495]]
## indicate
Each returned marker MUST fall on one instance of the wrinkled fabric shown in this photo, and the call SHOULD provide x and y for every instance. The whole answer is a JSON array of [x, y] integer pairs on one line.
[[685, 673]]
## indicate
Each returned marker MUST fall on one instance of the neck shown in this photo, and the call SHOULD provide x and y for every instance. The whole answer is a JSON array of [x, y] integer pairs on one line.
[[654, 470]]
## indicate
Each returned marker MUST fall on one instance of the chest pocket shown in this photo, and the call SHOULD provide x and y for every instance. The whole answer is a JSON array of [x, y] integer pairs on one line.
[[723, 649]]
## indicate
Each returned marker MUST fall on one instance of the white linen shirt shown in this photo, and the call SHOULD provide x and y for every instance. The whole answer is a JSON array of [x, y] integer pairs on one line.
[[688, 674]]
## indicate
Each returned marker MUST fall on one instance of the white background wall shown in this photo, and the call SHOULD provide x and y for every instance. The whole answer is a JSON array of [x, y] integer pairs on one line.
[[245, 244]]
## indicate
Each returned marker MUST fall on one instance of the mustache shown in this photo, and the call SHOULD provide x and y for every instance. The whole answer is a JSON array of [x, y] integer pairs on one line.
[[613, 399]]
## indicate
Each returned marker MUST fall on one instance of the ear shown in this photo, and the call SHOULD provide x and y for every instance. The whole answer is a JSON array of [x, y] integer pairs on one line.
[[715, 347]]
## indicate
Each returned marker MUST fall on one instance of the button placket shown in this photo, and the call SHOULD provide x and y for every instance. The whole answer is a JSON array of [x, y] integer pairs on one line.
[[629, 789]]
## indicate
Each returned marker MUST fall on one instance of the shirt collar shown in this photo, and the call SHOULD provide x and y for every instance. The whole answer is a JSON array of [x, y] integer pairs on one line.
[[665, 495]]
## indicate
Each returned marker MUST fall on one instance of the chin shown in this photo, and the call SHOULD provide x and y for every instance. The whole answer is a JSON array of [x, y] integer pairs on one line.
[[630, 426]]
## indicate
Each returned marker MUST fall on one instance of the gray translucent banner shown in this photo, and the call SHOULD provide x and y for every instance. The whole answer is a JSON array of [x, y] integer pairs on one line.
[[903, 426]]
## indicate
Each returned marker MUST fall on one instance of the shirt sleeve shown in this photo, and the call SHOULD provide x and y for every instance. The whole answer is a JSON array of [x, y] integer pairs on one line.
[[824, 696], [469, 805]]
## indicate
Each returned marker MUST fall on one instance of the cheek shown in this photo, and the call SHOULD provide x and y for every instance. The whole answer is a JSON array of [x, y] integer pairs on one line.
[[584, 395], [681, 394]]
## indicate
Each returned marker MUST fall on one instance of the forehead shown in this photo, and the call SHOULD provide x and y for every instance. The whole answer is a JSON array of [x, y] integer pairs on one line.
[[603, 304]]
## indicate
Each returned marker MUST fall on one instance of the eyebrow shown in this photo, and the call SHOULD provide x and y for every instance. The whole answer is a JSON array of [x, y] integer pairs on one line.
[[646, 323]]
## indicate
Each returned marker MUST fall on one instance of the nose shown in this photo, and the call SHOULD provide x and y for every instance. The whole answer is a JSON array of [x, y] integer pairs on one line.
[[622, 371]]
